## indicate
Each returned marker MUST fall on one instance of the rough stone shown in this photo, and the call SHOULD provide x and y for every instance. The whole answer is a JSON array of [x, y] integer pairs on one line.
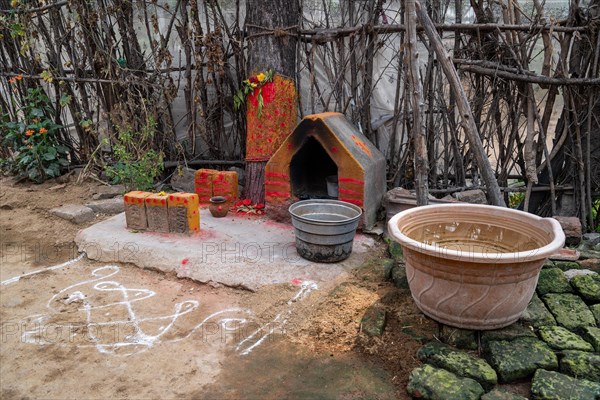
[[499, 394], [460, 338], [520, 358], [476, 196], [569, 310], [552, 280], [427, 382], [511, 332], [588, 286], [108, 192], [459, 363], [182, 179], [591, 239], [108, 206], [565, 254], [570, 274], [566, 265], [595, 309], [394, 250], [387, 264], [550, 385], [572, 228], [373, 321], [589, 253], [591, 263], [75, 213], [560, 338], [536, 314], [548, 264], [399, 276], [591, 334], [581, 364]]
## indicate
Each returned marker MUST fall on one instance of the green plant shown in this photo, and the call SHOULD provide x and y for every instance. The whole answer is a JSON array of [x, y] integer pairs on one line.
[[136, 166], [515, 199], [35, 149]]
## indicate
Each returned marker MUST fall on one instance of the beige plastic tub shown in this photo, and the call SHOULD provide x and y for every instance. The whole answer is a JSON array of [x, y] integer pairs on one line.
[[474, 266]]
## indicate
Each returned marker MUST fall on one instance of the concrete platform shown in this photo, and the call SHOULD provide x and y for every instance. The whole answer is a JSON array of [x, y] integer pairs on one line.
[[236, 251]]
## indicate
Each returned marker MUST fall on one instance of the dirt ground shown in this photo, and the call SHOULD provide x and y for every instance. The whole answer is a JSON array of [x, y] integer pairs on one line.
[[94, 331]]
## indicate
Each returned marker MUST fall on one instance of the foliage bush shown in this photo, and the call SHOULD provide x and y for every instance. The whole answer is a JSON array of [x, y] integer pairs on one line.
[[136, 164], [35, 148]]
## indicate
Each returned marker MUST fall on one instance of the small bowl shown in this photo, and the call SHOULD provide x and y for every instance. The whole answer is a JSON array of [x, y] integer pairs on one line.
[[218, 206]]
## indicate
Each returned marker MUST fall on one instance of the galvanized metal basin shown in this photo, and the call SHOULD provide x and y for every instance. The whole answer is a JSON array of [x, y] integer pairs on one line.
[[325, 229]]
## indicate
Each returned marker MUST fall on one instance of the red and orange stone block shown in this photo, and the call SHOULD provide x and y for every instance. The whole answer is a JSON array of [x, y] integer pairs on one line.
[[184, 216], [210, 182], [135, 210]]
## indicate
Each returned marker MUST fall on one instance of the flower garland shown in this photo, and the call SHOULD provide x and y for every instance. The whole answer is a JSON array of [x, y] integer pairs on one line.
[[246, 207], [250, 86]]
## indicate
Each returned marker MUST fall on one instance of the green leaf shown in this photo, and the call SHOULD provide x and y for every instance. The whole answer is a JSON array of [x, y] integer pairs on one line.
[[65, 100], [37, 112], [49, 156]]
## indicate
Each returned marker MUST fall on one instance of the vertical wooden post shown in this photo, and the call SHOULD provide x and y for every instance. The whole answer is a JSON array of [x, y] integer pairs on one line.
[[416, 96]]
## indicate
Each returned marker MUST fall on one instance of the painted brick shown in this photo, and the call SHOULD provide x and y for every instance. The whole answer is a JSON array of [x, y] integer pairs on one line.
[[225, 184], [203, 185], [157, 213], [184, 216], [135, 210]]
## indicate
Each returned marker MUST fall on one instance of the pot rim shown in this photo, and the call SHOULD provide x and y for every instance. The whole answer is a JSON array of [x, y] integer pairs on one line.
[[354, 207], [218, 199], [529, 255]]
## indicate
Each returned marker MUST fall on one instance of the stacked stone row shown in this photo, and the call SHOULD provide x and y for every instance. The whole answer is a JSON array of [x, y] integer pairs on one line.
[[174, 212]]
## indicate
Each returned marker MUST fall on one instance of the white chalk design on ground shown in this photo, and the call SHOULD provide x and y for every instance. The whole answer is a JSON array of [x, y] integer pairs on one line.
[[85, 295], [39, 271]]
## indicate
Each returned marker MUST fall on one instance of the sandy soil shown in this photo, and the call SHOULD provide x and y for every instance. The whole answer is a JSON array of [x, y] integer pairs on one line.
[[88, 330]]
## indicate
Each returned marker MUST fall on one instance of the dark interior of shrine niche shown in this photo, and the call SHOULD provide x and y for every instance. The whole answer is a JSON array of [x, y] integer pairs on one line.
[[310, 169]]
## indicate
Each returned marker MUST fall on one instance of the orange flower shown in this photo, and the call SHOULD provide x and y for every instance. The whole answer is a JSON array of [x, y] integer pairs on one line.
[[19, 77], [12, 80], [29, 132], [43, 130]]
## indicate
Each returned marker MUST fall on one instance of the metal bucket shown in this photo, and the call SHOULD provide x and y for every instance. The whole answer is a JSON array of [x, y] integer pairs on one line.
[[325, 229]]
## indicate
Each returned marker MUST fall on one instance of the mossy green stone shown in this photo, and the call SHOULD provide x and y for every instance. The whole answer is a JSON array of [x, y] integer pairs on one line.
[[394, 250], [548, 264], [520, 358], [387, 264], [373, 321], [511, 332], [550, 385], [560, 338], [427, 382], [499, 394], [461, 338], [566, 265], [399, 276], [459, 363], [591, 334], [553, 280], [536, 314], [595, 309], [581, 364], [588, 286], [569, 310]]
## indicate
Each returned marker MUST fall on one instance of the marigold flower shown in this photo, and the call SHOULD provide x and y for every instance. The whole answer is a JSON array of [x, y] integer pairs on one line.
[[261, 77], [19, 77], [43, 130], [12, 80], [29, 132]]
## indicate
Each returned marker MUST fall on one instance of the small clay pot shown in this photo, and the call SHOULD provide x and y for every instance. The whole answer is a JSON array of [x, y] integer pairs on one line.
[[218, 206]]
